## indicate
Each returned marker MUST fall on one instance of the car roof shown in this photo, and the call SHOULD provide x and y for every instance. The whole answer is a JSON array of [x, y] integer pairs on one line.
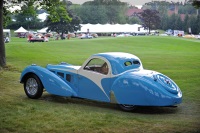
[[116, 55], [117, 60]]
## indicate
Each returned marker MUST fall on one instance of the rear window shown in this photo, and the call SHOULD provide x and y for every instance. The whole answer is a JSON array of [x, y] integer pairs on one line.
[[136, 62], [130, 63]]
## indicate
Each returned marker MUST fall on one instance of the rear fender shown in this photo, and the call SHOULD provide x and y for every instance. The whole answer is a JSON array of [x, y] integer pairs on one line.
[[133, 89], [127, 90], [51, 82]]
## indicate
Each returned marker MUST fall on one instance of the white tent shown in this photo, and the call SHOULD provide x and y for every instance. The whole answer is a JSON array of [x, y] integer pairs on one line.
[[112, 28], [7, 31], [43, 30], [21, 30]]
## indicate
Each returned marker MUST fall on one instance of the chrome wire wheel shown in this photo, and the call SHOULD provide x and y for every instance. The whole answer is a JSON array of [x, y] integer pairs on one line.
[[31, 86]]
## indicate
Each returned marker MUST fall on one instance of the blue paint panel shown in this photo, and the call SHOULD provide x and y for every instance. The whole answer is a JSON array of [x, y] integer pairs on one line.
[[64, 68], [136, 90], [88, 89], [52, 83]]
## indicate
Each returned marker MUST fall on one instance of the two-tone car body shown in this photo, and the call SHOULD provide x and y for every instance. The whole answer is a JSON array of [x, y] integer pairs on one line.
[[112, 77]]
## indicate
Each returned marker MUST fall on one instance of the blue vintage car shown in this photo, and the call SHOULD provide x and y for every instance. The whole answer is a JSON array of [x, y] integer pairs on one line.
[[112, 77]]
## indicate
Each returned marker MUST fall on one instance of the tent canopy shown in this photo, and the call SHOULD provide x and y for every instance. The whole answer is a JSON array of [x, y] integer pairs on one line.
[[43, 30], [7, 31], [21, 30], [111, 28]]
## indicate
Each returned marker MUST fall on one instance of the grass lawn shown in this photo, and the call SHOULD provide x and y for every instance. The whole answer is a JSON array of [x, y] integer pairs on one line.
[[178, 58]]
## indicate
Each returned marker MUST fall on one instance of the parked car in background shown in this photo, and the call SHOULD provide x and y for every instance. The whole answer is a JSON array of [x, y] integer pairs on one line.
[[124, 35], [112, 77], [85, 36], [169, 32], [94, 35], [198, 36]]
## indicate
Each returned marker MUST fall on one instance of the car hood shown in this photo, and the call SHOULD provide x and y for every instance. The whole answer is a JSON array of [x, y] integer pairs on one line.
[[63, 67]]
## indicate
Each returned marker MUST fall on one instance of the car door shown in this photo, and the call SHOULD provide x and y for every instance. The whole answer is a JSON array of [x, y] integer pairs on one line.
[[94, 80]]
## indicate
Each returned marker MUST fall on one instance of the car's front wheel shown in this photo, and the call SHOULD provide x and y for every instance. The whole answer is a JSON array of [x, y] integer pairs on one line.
[[125, 107], [33, 87]]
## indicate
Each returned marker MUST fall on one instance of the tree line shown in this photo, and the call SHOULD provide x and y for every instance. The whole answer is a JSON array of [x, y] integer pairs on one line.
[[185, 16], [114, 11]]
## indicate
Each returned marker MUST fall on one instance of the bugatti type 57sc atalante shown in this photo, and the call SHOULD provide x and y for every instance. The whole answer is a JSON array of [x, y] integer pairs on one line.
[[112, 77]]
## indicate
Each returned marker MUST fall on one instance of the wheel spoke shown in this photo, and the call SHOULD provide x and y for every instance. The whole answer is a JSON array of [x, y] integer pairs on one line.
[[31, 86]]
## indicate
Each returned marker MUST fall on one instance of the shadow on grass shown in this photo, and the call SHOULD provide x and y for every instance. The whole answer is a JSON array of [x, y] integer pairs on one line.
[[86, 102]]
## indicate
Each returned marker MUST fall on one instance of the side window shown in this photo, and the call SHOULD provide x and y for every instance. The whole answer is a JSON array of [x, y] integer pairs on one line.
[[127, 63], [132, 64], [97, 65], [136, 62]]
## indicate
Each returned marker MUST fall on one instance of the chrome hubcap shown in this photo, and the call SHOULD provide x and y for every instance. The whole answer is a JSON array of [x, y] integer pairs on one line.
[[31, 86]]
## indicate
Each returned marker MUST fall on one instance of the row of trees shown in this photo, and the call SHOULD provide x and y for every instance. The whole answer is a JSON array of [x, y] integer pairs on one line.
[[184, 18], [177, 23], [102, 11], [113, 11], [110, 11], [97, 11], [163, 6]]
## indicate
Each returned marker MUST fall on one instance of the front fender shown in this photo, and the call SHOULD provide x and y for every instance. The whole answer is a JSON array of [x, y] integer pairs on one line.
[[51, 82]]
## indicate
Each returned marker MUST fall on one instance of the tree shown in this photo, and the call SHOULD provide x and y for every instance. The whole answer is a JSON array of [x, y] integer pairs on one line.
[[193, 24], [161, 6], [64, 26], [114, 8], [164, 24], [93, 13], [186, 23], [178, 23], [196, 3], [76, 8], [49, 5], [134, 20], [172, 20], [186, 9], [198, 24], [150, 19], [103, 11], [6, 17], [2, 46], [27, 16]]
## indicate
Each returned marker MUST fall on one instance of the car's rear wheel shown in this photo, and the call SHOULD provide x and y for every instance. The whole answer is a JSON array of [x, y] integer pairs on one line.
[[33, 86], [125, 107]]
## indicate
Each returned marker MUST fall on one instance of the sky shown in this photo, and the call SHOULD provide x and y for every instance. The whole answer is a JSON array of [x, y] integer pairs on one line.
[[131, 2]]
